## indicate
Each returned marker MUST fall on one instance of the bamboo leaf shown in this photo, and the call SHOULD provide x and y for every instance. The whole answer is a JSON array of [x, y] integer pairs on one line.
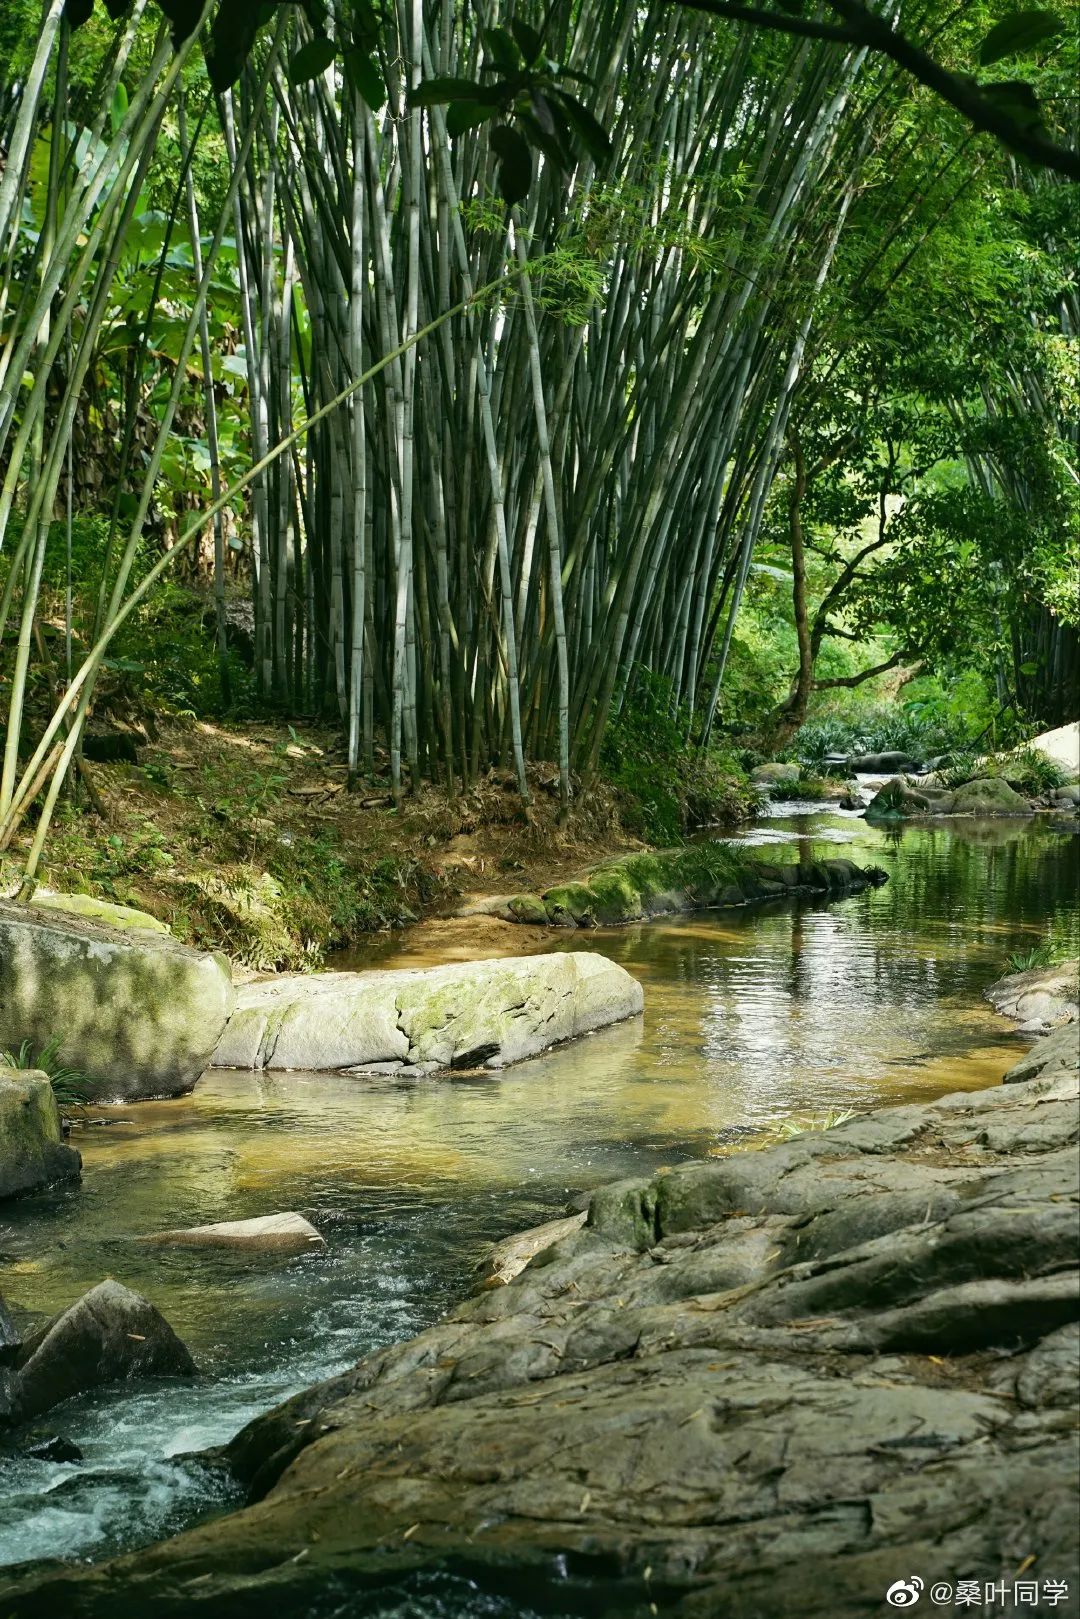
[[365, 78], [1020, 31], [311, 60]]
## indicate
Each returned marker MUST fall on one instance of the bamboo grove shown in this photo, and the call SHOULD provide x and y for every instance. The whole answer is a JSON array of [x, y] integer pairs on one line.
[[502, 456]]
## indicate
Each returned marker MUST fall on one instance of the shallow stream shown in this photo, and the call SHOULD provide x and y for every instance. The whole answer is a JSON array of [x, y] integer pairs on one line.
[[752, 1018]]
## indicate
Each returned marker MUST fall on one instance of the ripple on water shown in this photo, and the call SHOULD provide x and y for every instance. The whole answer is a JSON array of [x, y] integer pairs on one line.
[[752, 1017]]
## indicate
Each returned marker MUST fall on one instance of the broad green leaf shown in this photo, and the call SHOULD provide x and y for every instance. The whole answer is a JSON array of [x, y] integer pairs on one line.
[[118, 110], [515, 163], [1020, 31], [1029, 668], [592, 135], [437, 91], [363, 75], [465, 115], [311, 60], [1018, 100], [503, 50], [527, 39], [547, 142]]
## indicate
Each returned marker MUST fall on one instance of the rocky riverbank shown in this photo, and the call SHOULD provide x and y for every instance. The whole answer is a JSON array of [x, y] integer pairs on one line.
[[770, 1384]]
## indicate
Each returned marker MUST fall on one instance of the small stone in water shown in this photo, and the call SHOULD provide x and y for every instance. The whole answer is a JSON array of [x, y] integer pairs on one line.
[[54, 1448]]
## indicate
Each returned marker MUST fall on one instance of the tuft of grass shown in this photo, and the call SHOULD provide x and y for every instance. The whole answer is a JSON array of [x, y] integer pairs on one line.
[[70, 1086], [826, 1121], [1022, 961]]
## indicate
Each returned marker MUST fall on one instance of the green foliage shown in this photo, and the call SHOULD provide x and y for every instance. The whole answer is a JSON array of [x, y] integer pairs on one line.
[[1028, 770], [167, 656], [1062, 943], [667, 788], [882, 728], [71, 1088]]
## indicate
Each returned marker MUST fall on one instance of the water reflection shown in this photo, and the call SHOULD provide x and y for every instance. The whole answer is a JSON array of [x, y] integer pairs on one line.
[[751, 1016]]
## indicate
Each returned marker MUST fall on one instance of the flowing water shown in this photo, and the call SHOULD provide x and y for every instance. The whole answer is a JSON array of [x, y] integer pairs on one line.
[[792, 1009]]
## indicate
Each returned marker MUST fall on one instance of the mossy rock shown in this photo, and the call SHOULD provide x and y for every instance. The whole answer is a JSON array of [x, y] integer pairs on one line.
[[570, 905], [615, 897], [528, 908], [133, 1008], [93, 909], [698, 877], [990, 796], [32, 1153]]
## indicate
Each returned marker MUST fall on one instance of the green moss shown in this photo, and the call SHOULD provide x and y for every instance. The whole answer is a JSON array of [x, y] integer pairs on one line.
[[570, 905], [616, 897], [98, 910], [696, 877], [528, 908]]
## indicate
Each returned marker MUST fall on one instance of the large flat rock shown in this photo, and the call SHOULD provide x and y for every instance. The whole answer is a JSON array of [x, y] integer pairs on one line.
[[757, 1387], [134, 1010], [32, 1152], [480, 1013]]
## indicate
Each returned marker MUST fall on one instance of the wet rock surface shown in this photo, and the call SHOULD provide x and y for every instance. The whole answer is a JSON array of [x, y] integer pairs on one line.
[[765, 1385], [110, 1334], [900, 800], [470, 1015], [265, 1233]]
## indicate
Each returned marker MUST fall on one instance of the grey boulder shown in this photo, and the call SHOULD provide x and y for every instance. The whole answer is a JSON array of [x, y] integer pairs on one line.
[[137, 1012], [1040, 998], [111, 1334], [755, 1387]]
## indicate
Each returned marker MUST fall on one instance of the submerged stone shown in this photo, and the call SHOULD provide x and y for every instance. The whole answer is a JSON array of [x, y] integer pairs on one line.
[[135, 1011], [467, 1015]]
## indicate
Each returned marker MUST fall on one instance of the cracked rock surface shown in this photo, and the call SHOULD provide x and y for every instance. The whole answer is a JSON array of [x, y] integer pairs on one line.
[[464, 1015], [754, 1387]]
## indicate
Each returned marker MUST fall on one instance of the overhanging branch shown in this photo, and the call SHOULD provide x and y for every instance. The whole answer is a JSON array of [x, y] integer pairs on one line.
[[866, 28]]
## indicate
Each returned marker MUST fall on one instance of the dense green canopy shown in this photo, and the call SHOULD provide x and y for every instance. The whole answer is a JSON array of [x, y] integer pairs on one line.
[[507, 371]]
